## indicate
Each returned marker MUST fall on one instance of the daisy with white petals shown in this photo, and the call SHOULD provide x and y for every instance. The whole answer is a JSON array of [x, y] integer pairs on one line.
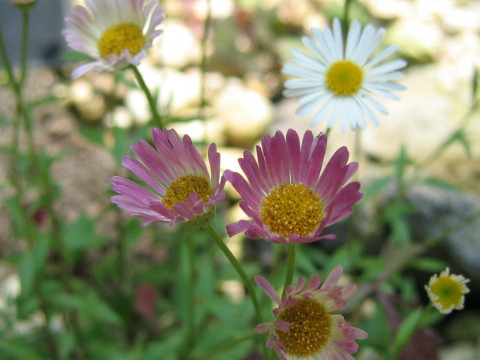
[[340, 81], [115, 33]]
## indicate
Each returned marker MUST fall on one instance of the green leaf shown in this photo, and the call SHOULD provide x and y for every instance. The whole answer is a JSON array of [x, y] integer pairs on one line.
[[475, 77], [440, 183], [121, 144], [406, 329], [376, 187], [427, 264], [81, 235], [92, 133], [18, 351], [90, 306], [347, 255], [26, 272], [401, 163], [395, 215]]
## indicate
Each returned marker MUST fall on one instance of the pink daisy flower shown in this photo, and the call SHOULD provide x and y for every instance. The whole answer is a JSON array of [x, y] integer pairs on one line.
[[182, 189], [306, 325], [114, 33], [288, 196]]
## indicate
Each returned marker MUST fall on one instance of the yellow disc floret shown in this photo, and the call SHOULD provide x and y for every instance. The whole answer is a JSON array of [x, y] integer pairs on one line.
[[120, 37], [181, 188], [344, 78], [310, 328], [292, 209]]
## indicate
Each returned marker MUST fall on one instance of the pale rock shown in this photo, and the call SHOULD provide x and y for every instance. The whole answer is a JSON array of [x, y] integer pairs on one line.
[[246, 113], [176, 47], [119, 117], [416, 38], [457, 60], [420, 120], [137, 104], [176, 89], [229, 161], [211, 130], [389, 9], [219, 9]]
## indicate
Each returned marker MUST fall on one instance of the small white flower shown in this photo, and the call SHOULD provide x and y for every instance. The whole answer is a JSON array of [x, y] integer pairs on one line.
[[446, 291], [114, 33], [340, 80]]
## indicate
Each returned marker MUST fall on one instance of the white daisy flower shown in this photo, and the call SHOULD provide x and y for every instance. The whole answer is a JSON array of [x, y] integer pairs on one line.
[[340, 80], [115, 33]]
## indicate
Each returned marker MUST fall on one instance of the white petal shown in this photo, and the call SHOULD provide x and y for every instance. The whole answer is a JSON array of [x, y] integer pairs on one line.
[[352, 38], [338, 36], [297, 84], [390, 66], [308, 42], [316, 96], [307, 61], [297, 71], [381, 56]]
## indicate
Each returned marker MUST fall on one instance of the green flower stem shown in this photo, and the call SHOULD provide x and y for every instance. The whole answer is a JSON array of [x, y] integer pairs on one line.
[[346, 17], [151, 101], [191, 290], [23, 54], [231, 258], [291, 247]]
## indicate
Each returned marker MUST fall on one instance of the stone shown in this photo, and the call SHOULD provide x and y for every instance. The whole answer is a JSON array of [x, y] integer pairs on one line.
[[246, 113]]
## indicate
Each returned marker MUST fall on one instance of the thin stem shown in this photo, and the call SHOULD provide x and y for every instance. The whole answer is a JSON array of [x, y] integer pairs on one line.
[[346, 16], [7, 65], [237, 266], [23, 54], [291, 248], [191, 290], [151, 101]]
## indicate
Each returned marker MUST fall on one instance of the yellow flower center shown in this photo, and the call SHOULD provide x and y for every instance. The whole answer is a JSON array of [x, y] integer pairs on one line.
[[292, 209], [344, 78], [180, 189], [309, 328], [449, 292], [120, 37]]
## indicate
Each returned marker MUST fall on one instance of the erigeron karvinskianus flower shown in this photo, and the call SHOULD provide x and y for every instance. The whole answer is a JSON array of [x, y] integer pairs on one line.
[[340, 81], [307, 325], [446, 291], [114, 33], [180, 187], [289, 197]]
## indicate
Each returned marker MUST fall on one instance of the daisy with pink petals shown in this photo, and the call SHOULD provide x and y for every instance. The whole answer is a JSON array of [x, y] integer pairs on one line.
[[114, 33], [307, 325], [289, 197], [180, 187]]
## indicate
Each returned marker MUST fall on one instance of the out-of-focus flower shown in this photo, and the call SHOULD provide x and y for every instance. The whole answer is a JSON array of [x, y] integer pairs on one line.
[[114, 33], [307, 325], [446, 292], [340, 80], [183, 189], [288, 196]]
